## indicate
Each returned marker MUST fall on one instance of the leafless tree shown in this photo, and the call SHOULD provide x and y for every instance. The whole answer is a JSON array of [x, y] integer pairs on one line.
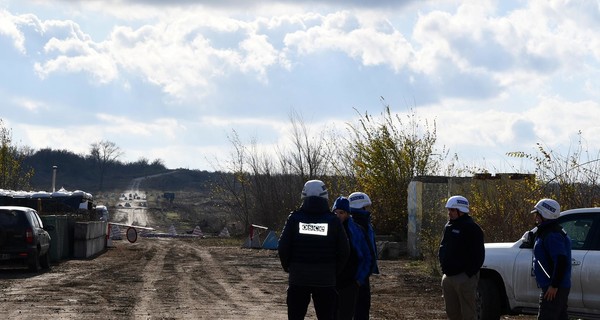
[[104, 153]]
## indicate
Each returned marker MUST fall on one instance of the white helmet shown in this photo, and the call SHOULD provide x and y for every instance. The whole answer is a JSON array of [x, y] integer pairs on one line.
[[458, 202], [314, 188], [359, 200], [547, 208]]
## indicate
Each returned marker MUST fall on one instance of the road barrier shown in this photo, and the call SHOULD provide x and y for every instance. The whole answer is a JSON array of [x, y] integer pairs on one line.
[[90, 238]]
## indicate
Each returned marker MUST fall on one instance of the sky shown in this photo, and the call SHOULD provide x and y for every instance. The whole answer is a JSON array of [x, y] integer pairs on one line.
[[172, 80]]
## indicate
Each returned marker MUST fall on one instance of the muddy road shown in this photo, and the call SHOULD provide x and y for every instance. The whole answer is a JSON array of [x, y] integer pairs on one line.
[[191, 278], [183, 278], [154, 278]]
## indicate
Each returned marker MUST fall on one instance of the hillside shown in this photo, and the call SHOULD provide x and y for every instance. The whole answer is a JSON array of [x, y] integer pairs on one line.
[[78, 172]]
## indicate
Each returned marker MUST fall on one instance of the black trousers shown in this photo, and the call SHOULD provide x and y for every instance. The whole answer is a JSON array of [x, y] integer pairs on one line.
[[363, 302], [324, 300], [346, 305], [555, 309]]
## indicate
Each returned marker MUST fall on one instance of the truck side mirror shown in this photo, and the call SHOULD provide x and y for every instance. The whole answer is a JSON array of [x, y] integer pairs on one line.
[[528, 239]]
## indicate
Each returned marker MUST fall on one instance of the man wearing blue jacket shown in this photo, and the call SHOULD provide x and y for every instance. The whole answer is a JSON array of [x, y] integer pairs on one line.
[[359, 209], [357, 269], [551, 261], [313, 249]]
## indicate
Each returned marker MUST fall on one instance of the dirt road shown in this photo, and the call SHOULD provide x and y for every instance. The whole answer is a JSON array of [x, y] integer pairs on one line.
[[191, 278], [154, 278], [177, 278]]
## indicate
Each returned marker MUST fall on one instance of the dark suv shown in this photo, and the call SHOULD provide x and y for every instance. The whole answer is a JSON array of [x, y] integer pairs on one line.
[[23, 240]]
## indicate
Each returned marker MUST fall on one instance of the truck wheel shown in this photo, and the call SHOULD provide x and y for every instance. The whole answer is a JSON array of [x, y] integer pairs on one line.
[[488, 300]]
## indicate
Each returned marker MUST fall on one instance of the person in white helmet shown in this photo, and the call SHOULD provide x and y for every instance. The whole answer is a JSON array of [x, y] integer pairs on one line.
[[358, 268], [551, 261], [313, 248], [461, 256], [359, 209]]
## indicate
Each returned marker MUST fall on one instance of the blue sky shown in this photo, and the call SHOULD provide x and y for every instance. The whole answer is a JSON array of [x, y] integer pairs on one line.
[[173, 81]]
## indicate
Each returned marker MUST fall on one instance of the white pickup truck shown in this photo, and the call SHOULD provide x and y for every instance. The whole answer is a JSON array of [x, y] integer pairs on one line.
[[507, 286]]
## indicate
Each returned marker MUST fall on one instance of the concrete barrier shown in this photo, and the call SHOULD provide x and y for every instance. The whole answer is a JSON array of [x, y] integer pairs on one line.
[[89, 238], [59, 236], [389, 250]]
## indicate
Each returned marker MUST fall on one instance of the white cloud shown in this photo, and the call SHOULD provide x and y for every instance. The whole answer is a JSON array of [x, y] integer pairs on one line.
[[29, 104], [557, 121], [487, 71], [360, 39], [9, 28], [160, 127]]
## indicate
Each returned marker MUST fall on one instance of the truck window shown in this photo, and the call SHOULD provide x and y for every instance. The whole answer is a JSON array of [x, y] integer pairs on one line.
[[578, 230]]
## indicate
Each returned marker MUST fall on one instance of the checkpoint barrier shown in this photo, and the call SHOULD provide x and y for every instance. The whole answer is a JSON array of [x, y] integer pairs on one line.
[[254, 238]]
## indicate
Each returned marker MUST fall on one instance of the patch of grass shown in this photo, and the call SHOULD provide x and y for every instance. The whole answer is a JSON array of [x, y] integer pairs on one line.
[[173, 216]]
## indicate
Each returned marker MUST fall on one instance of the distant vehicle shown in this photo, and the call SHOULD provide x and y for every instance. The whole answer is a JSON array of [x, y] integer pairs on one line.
[[507, 286], [23, 239]]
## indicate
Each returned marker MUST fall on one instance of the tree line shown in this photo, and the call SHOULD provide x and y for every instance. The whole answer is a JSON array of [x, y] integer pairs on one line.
[[378, 155], [22, 168]]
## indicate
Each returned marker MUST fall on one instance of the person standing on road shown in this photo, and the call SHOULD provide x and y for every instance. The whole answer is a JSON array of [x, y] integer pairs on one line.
[[461, 256], [359, 205], [551, 261], [357, 269], [313, 248]]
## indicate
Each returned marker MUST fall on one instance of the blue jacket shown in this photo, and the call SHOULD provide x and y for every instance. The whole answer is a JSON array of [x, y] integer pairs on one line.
[[313, 246], [358, 267], [552, 256], [363, 218]]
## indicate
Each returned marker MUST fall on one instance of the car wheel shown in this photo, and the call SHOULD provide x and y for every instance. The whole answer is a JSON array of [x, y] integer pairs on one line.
[[45, 261], [34, 262], [488, 300]]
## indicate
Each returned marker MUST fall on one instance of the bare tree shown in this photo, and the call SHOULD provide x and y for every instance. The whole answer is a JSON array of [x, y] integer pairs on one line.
[[265, 186], [308, 159], [234, 181], [104, 153]]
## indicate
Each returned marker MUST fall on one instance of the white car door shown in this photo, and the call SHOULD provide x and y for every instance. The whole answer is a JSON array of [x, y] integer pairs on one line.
[[578, 227], [590, 276], [526, 291]]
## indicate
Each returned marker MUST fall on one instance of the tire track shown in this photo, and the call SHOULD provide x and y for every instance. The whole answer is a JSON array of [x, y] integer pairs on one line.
[[236, 287], [146, 305]]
